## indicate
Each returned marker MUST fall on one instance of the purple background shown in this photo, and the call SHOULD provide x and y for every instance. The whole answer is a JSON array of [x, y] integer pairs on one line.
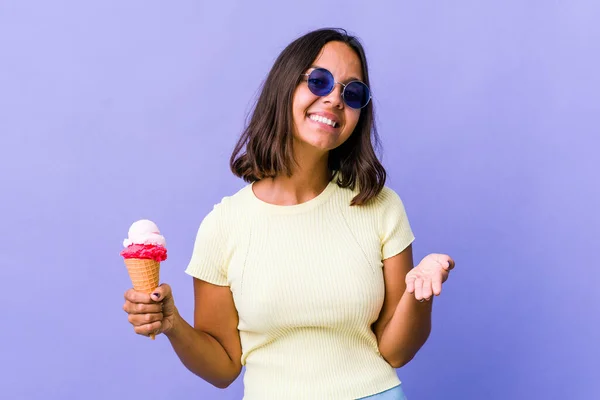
[[111, 111]]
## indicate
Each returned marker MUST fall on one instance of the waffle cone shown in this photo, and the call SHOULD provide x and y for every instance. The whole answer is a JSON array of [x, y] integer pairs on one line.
[[144, 275]]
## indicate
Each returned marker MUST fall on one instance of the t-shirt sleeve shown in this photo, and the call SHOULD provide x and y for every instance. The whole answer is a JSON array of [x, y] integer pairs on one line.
[[208, 256], [395, 231]]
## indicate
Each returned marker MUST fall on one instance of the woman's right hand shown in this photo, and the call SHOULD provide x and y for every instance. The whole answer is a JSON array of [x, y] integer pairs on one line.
[[150, 313]]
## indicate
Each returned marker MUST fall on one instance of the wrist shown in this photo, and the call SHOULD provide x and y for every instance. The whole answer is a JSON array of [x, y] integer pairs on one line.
[[175, 327]]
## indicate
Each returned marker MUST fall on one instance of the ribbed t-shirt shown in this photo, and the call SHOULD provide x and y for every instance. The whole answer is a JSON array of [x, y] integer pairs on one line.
[[307, 282]]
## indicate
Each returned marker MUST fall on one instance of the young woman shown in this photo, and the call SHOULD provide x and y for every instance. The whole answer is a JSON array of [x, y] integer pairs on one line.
[[305, 276]]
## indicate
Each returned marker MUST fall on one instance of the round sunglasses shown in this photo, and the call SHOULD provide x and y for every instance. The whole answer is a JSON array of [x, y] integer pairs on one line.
[[355, 93]]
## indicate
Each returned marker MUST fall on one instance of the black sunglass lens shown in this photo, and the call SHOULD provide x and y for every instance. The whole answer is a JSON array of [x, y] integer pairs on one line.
[[320, 82], [356, 95]]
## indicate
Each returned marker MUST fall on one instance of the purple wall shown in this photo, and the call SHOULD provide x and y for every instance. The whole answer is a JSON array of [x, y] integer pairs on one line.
[[111, 111]]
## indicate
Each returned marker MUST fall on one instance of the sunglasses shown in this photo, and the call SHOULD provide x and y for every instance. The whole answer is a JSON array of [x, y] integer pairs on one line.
[[355, 93]]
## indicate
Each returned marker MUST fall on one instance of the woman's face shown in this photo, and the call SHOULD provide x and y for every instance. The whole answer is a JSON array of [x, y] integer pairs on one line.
[[307, 108]]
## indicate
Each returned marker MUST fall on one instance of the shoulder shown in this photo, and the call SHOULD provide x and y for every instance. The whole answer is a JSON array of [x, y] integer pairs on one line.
[[232, 205], [385, 199], [388, 197], [386, 205], [389, 205], [219, 221], [228, 209]]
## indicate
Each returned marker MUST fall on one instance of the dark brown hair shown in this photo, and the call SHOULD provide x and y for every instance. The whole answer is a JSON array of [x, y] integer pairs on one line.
[[267, 139]]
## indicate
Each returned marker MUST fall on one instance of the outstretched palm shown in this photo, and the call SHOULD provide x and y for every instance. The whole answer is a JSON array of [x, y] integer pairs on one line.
[[426, 278]]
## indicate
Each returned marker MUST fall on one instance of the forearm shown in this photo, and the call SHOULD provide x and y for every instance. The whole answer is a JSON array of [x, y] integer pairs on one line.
[[407, 330], [202, 354]]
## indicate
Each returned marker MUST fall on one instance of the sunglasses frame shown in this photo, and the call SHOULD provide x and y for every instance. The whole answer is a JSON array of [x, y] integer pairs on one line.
[[335, 83]]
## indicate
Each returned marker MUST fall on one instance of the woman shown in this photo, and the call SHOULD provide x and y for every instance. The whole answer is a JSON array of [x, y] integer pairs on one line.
[[305, 275]]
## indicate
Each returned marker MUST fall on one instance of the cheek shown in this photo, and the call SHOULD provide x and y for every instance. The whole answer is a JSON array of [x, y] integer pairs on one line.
[[351, 120], [302, 100]]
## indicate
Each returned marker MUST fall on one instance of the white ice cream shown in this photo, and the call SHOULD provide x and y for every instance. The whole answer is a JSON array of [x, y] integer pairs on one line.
[[144, 231]]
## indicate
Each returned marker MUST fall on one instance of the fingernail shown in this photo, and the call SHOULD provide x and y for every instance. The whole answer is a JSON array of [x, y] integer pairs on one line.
[[157, 295]]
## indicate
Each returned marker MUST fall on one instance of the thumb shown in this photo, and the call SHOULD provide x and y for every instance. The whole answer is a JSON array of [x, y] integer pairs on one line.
[[161, 293], [450, 263], [445, 261]]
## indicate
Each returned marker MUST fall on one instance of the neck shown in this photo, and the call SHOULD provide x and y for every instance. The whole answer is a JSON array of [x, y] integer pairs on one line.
[[309, 178]]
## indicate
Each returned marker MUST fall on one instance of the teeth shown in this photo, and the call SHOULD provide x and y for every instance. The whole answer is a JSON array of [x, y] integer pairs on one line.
[[323, 120]]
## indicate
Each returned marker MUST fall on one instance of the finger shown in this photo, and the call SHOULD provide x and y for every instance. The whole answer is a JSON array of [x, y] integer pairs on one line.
[[410, 284], [143, 319], [427, 292], [436, 284], [447, 263], [419, 289], [162, 292], [137, 297], [452, 263], [147, 329], [445, 275], [141, 308]]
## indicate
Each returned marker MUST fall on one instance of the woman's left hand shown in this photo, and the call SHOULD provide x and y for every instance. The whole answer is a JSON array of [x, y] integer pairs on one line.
[[426, 278]]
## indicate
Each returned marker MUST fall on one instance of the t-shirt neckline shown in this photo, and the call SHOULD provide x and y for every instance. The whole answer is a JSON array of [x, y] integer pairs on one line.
[[295, 208]]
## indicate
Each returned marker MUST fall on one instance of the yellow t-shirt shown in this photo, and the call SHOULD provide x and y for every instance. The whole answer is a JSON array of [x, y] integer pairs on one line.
[[307, 282]]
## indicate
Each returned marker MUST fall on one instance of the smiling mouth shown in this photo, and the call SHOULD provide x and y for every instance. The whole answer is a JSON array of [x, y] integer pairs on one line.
[[323, 120]]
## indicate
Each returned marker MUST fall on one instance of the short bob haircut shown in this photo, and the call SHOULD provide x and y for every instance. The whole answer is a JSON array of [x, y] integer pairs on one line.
[[265, 148]]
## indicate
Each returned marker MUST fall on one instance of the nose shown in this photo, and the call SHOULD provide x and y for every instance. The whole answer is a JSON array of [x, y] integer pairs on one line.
[[335, 97]]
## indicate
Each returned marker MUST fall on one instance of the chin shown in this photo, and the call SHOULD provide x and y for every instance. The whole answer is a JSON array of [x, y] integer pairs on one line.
[[319, 143]]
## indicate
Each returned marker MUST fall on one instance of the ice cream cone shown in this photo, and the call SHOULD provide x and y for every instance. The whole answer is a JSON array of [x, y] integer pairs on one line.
[[143, 251], [144, 274]]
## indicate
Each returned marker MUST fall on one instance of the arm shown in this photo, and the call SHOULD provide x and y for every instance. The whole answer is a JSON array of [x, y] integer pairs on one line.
[[404, 323], [211, 348]]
